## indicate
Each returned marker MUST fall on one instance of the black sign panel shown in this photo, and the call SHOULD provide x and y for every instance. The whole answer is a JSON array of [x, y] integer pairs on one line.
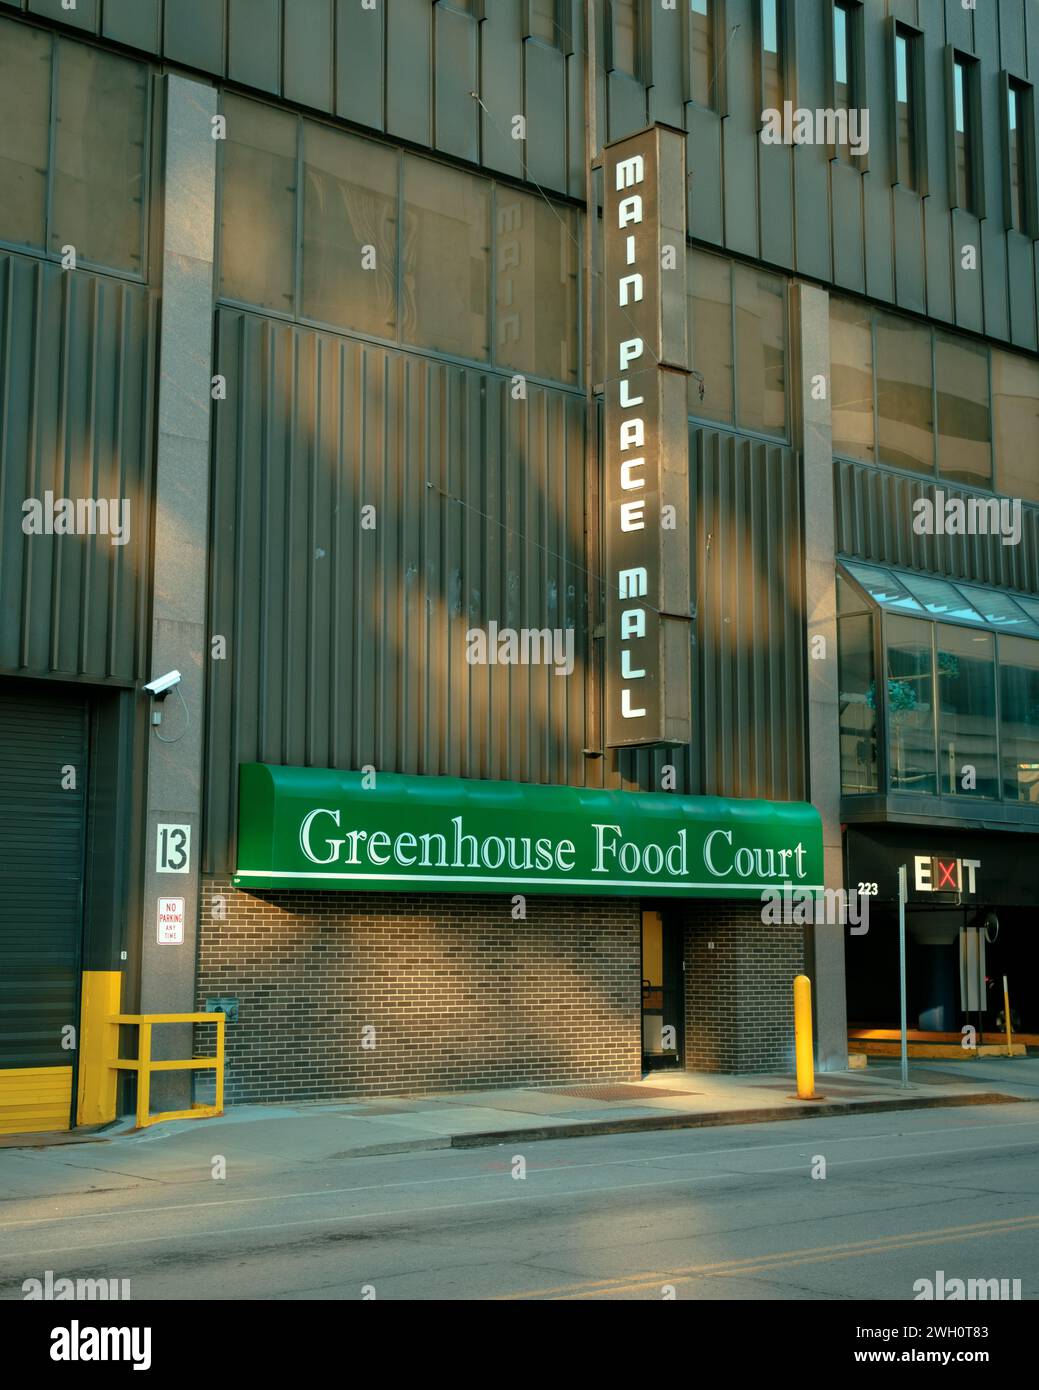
[[943, 867], [648, 629]]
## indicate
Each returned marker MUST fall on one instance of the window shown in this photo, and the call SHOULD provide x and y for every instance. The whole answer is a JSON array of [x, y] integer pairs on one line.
[[710, 337], [966, 690], [92, 196], [1015, 408], [1019, 158], [447, 234], [965, 142], [908, 131], [910, 705], [701, 53], [948, 647], [543, 22], [626, 39], [1019, 718], [25, 81], [851, 372], [737, 320], [846, 79], [535, 285], [905, 417], [258, 205], [964, 417], [857, 701], [349, 231], [339, 230], [760, 350], [772, 59]]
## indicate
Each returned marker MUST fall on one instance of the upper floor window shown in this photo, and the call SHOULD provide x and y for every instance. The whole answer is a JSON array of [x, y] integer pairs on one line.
[[965, 134], [772, 56], [543, 22], [701, 53], [626, 37], [338, 230], [847, 82], [738, 337], [907, 116], [1020, 160], [73, 161], [914, 397]]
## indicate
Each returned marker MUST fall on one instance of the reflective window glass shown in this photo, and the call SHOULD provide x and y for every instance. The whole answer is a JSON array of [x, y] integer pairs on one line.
[[1015, 406], [884, 588], [1019, 718], [910, 705], [964, 418], [535, 285], [851, 372], [771, 55], [625, 36], [940, 597], [258, 205], [701, 60], [99, 156], [710, 337], [966, 713], [447, 232], [999, 609], [25, 92], [543, 21], [760, 350], [349, 231], [904, 394], [858, 704]]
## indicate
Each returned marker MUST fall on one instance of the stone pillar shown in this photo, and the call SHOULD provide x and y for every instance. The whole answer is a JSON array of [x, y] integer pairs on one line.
[[179, 627], [825, 944]]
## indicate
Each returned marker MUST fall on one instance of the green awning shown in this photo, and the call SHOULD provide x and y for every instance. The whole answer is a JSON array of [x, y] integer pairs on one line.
[[312, 828]]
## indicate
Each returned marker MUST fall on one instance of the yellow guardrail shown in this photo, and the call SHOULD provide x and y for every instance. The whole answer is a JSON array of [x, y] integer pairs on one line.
[[144, 1064], [100, 1063]]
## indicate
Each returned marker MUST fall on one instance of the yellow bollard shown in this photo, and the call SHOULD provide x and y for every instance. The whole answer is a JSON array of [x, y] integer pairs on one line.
[[1006, 1018], [803, 1038]]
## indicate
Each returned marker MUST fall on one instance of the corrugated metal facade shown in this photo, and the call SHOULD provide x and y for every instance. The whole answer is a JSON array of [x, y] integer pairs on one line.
[[409, 68], [874, 509], [75, 387], [346, 645]]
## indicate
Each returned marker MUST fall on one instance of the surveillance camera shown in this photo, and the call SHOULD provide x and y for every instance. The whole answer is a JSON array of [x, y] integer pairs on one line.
[[161, 686]]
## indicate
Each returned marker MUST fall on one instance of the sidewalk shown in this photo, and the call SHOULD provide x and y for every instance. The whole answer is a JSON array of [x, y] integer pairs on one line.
[[664, 1100]]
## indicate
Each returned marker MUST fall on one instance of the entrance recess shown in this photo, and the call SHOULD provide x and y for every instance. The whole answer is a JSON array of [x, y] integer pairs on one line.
[[43, 774], [663, 993]]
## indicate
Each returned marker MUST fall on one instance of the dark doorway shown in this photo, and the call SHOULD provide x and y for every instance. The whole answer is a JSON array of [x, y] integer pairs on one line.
[[663, 993]]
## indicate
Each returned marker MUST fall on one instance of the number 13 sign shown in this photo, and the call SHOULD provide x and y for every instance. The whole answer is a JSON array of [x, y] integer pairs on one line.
[[173, 849]]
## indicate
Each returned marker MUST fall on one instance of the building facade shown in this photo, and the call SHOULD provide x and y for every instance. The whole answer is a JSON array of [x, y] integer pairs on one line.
[[304, 349]]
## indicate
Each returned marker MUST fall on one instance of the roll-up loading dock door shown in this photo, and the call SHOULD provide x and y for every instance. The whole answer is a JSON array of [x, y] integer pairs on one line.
[[43, 801]]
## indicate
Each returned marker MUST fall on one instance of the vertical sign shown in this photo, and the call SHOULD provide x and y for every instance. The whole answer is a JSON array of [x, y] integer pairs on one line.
[[648, 595]]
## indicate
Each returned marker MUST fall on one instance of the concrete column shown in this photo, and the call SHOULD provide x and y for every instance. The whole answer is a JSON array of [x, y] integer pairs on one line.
[[179, 627], [826, 943]]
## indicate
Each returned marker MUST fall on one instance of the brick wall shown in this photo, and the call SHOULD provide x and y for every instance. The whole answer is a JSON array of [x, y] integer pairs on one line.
[[739, 973], [461, 996]]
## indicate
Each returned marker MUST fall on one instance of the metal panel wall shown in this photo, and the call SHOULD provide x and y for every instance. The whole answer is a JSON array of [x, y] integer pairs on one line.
[[408, 67], [875, 522], [346, 630], [75, 376]]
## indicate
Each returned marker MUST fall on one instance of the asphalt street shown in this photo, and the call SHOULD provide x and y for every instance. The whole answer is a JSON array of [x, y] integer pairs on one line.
[[691, 1214]]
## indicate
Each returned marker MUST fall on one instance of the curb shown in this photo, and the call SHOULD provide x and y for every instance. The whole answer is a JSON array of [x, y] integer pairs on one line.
[[715, 1119]]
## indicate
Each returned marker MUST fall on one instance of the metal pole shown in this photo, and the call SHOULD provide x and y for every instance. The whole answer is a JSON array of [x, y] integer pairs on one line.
[[1006, 1018], [902, 970], [804, 1053]]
